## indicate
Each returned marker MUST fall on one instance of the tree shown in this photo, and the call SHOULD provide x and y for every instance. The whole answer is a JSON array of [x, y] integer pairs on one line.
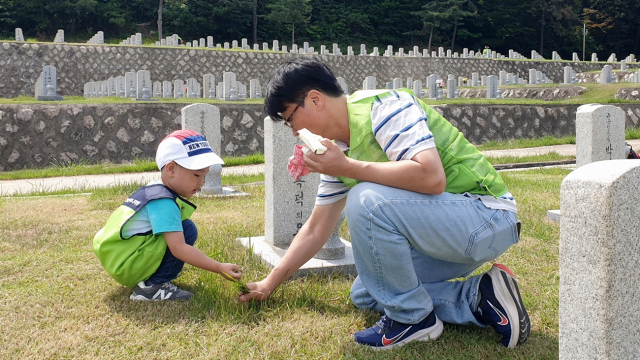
[[555, 13], [446, 13], [160, 21], [290, 12]]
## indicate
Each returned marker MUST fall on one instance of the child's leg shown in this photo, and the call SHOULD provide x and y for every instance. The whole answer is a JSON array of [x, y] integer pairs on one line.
[[170, 267]]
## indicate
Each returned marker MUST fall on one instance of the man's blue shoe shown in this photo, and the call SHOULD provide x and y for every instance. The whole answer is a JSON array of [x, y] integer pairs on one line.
[[501, 306], [387, 333]]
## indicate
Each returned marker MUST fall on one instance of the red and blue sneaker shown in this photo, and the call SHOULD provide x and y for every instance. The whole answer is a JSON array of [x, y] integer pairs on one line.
[[387, 333], [501, 306]]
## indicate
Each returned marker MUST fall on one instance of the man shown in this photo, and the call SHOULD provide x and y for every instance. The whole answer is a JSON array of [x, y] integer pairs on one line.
[[422, 204]]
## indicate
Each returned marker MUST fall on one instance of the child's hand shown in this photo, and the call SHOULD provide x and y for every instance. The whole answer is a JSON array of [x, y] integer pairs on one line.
[[230, 271]]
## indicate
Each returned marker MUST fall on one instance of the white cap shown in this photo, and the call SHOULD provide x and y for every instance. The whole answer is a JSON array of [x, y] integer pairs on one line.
[[188, 149]]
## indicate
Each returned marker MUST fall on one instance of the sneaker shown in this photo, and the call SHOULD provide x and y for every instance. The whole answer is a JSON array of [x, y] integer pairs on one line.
[[165, 291], [387, 333], [501, 306]]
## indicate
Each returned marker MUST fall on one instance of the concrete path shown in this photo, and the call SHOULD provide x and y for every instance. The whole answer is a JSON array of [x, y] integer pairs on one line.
[[88, 182]]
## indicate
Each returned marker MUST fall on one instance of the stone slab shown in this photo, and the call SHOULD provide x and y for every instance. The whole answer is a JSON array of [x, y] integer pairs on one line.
[[271, 256], [554, 215]]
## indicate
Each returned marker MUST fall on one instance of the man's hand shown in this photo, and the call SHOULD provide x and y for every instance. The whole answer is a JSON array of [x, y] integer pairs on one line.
[[333, 162], [259, 291]]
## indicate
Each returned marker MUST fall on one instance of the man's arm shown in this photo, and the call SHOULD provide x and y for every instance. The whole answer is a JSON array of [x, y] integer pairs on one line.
[[423, 173], [309, 240]]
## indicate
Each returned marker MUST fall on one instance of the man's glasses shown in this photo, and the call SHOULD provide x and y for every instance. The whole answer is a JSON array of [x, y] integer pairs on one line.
[[287, 121]]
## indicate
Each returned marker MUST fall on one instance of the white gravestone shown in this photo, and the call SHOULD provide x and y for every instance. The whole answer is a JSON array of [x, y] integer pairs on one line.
[[600, 131], [166, 90], [288, 205], [157, 89], [343, 85], [209, 86], [113, 90], [599, 312], [397, 83], [19, 36], [369, 83], [417, 88], [255, 90], [432, 86], [229, 88], [492, 87], [192, 88], [178, 89], [130, 85], [144, 85], [48, 85], [205, 119]]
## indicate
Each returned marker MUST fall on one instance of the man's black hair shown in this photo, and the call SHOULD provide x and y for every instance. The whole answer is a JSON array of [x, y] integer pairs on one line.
[[293, 80]]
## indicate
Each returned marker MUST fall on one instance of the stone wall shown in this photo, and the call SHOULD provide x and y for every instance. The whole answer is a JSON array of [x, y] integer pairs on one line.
[[36, 135], [77, 64]]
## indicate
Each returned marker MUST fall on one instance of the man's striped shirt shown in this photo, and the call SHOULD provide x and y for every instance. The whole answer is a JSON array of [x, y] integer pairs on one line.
[[400, 126]]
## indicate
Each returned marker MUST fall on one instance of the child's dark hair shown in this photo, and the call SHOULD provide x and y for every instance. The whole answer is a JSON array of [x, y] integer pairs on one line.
[[293, 80]]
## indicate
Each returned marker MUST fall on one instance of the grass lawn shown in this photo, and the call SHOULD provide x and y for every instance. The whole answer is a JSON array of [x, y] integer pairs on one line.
[[57, 302]]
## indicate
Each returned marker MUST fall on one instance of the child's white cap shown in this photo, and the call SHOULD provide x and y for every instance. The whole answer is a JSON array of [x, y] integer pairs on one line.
[[188, 149]]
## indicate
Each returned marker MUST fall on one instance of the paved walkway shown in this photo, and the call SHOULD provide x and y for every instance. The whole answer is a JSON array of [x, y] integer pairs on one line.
[[88, 182]]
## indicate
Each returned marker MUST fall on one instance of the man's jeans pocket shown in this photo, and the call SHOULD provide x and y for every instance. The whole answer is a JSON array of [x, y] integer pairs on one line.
[[493, 238]]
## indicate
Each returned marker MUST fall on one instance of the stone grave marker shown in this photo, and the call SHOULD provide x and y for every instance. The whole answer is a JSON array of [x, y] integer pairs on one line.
[[157, 89], [144, 85], [167, 93], [600, 131], [265, 46], [178, 89], [606, 76], [205, 119], [192, 88], [397, 83], [255, 90], [275, 46], [432, 86], [48, 87], [599, 312], [131, 85], [594, 57], [19, 35], [452, 92], [208, 86], [492, 87], [369, 83], [229, 88], [475, 79], [210, 41], [417, 88], [343, 85], [288, 205]]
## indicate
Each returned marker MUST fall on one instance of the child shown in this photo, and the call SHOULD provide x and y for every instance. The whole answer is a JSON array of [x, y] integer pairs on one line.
[[147, 240]]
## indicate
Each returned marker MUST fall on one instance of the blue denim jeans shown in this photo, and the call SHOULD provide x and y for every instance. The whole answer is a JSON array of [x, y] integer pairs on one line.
[[408, 245], [171, 266]]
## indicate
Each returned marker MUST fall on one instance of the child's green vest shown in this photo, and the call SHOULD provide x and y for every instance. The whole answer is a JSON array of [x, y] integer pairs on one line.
[[466, 168], [133, 259]]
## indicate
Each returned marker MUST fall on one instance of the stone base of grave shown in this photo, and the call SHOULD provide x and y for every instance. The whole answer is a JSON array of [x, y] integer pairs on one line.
[[146, 99], [225, 191], [272, 255], [554, 215], [49, 98]]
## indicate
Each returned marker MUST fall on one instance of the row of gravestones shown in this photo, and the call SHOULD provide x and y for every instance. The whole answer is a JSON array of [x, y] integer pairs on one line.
[[139, 86], [288, 203], [599, 237], [173, 40]]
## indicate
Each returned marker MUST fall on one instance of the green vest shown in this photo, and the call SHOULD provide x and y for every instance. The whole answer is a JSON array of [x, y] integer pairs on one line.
[[133, 259], [466, 168]]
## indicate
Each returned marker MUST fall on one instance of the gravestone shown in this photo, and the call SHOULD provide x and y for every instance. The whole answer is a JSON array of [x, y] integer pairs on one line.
[[612, 58], [284, 48], [363, 50], [432, 87], [205, 119], [19, 36], [255, 90], [533, 77], [111, 86], [245, 44], [229, 87], [157, 89], [369, 83], [193, 88], [256, 47], [178, 89], [131, 85], [606, 76], [600, 131], [389, 51], [208, 86], [265, 46], [599, 312], [375, 51], [417, 88], [166, 90], [594, 57], [575, 57], [59, 37], [47, 89], [503, 78], [210, 41], [276, 46], [234, 44], [288, 205], [388, 85], [492, 87], [144, 85], [397, 83], [567, 75], [349, 51], [475, 79], [343, 85], [226, 45], [623, 65], [452, 92]]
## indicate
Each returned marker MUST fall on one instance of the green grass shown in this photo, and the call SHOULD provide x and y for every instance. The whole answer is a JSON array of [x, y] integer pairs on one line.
[[81, 167], [115, 100], [57, 302], [552, 156], [526, 143]]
